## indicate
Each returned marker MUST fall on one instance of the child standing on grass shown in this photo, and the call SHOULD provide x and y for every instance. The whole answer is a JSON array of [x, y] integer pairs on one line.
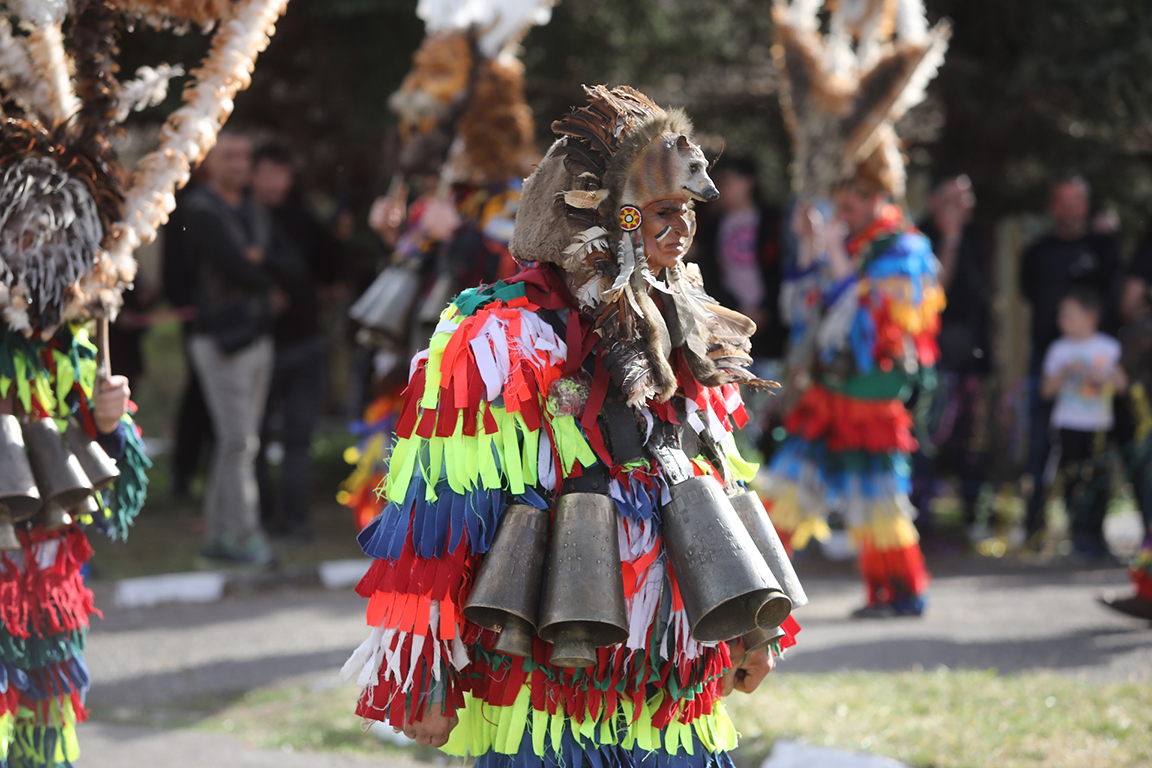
[[1082, 372]]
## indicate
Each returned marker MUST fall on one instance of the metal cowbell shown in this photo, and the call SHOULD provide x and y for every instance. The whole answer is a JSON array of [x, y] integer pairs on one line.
[[94, 460], [387, 306], [506, 595], [19, 497], [752, 513], [584, 600], [761, 638], [56, 516], [724, 582], [59, 476]]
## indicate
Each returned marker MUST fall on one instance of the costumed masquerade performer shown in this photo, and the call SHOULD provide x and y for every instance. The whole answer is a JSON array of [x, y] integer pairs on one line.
[[864, 303], [464, 123], [70, 454], [569, 570], [1136, 360]]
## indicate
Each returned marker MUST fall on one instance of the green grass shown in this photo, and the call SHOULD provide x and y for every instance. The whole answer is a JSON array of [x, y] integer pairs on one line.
[[954, 719], [942, 719]]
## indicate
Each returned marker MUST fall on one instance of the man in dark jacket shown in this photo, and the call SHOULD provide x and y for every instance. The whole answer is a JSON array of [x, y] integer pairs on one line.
[[229, 236], [308, 257], [1070, 255], [965, 342]]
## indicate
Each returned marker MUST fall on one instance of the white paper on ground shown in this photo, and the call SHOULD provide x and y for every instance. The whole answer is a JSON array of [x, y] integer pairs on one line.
[[792, 754]]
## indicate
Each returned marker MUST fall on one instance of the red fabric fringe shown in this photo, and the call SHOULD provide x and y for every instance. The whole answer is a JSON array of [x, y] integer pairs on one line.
[[892, 574], [49, 601], [851, 424]]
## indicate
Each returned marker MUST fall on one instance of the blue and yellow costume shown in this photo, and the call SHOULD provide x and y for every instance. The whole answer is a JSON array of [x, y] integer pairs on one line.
[[849, 431]]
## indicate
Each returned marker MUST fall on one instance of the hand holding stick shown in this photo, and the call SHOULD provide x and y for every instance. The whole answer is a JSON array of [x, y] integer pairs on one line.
[[111, 394]]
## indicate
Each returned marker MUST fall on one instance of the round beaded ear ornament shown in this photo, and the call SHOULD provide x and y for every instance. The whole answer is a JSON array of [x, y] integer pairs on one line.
[[629, 218]]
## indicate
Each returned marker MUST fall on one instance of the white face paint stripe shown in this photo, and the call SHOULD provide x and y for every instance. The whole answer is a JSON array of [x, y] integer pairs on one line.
[[663, 234]]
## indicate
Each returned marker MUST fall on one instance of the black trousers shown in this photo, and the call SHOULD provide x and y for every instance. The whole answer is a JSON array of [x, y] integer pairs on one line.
[[193, 430], [295, 403], [1087, 487]]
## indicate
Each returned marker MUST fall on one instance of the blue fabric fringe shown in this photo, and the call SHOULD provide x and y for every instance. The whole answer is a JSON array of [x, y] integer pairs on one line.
[[573, 754]]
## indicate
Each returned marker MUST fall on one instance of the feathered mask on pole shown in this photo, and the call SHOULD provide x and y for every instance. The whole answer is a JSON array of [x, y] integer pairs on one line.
[[843, 89], [68, 227], [583, 209], [465, 92]]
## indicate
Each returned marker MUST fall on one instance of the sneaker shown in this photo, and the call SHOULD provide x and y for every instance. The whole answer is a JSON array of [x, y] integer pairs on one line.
[[1129, 606], [910, 606], [878, 611], [215, 550], [253, 552]]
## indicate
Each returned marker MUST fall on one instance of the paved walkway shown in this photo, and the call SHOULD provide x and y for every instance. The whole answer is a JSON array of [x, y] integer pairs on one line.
[[1015, 621]]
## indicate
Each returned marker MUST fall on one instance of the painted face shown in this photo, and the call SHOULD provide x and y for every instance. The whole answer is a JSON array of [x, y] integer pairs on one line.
[[667, 228]]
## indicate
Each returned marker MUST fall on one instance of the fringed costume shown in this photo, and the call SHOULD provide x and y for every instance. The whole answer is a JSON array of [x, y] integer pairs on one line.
[[858, 341], [67, 233], [543, 423], [479, 144]]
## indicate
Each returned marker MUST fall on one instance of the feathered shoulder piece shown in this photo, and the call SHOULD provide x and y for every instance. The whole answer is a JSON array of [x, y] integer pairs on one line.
[[844, 88], [68, 228]]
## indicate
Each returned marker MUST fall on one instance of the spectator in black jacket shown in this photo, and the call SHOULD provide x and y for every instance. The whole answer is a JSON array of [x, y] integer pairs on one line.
[[229, 238], [1071, 255], [960, 436], [308, 258]]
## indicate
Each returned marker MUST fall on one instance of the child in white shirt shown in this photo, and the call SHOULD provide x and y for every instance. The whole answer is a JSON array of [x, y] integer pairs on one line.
[[1082, 372]]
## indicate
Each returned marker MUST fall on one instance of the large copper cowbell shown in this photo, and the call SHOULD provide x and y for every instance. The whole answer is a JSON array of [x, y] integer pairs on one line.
[[584, 601], [726, 586], [19, 498], [751, 511], [99, 467], [59, 476], [506, 595]]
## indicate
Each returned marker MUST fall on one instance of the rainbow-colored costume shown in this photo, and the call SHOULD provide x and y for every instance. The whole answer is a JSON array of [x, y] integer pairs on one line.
[[849, 435], [486, 423], [44, 605]]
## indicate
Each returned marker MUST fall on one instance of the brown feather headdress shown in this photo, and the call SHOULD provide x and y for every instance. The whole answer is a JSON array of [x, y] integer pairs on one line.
[[619, 152], [844, 89], [68, 227]]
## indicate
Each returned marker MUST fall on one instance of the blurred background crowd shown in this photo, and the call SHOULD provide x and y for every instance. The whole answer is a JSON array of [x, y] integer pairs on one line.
[[1026, 171]]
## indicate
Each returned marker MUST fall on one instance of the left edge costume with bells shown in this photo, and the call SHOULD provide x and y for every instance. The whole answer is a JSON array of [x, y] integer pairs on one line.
[[857, 342], [479, 140], [557, 439], [67, 233]]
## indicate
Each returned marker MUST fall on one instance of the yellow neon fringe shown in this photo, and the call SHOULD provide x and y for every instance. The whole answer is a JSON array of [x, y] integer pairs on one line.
[[486, 728]]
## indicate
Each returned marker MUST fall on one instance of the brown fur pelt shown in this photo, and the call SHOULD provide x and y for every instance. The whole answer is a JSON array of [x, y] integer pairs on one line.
[[161, 13], [93, 43], [497, 127]]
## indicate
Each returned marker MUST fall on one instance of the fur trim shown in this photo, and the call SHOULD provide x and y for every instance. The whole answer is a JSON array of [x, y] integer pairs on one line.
[[178, 14], [842, 91], [623, 149]]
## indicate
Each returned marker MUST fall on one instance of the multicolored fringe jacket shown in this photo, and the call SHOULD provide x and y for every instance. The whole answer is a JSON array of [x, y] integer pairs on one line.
[[859, 343], [44, 605], [488, 421], [488, 214]]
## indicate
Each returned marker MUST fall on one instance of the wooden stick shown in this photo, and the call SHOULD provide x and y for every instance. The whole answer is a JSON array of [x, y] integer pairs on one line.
[[103, 358]]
